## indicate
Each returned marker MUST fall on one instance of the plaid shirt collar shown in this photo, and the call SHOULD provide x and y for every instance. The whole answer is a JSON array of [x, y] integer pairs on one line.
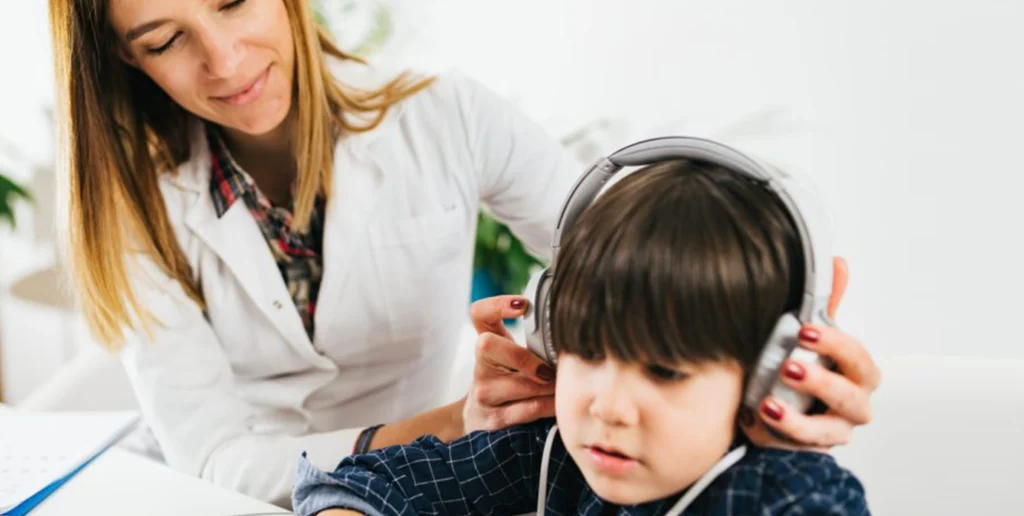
[[228, 183]]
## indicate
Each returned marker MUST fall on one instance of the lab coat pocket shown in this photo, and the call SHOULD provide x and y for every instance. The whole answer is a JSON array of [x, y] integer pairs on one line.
[[417, 260]]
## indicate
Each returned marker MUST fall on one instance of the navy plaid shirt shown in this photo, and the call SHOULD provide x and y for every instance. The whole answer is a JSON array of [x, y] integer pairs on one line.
[[497, 473]]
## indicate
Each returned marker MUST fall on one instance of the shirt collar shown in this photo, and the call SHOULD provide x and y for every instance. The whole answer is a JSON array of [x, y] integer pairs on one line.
[[228, 182]]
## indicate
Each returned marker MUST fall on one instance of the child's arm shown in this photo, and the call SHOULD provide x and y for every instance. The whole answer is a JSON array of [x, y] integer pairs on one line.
[[839, 494], [773, 482], [484, 472], [836, 501], [812, 484]]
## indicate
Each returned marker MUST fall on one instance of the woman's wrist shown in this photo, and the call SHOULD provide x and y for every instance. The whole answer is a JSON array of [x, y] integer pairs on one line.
[[445, 423], [456, 427]]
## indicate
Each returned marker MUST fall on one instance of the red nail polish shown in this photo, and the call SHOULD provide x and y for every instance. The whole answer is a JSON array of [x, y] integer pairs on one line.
[[772, 410], [809, 335], [794, 371], [517, 304]]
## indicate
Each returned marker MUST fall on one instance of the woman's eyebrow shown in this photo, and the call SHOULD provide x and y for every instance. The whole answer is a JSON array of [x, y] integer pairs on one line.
[[136, 32]]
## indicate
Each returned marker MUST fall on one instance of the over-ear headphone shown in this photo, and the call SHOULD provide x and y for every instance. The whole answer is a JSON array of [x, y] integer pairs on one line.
[[804, 208]]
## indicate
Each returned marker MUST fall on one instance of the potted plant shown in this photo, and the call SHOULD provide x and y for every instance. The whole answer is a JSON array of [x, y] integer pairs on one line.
[[10, 192], [501, 263]]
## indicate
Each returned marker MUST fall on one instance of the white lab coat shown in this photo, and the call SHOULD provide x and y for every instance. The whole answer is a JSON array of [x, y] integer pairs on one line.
[[237, 393]]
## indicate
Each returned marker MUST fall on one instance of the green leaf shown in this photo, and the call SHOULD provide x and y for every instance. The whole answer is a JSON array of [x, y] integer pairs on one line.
[[502, 255], [9, 193]]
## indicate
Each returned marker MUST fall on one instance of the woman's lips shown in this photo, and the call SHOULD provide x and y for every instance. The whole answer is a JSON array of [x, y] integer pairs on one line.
[[250, 93]]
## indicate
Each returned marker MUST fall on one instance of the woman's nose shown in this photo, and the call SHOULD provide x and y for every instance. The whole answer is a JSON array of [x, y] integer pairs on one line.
[[223, 53]]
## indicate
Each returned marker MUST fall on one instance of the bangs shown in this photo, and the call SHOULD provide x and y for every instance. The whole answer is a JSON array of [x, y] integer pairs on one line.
[[680, 262]]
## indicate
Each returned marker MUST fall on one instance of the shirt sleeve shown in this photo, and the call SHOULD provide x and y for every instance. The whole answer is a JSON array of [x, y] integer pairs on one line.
[[841, 495], [524, 173], [788, 483], [482, 473], [183, 382]]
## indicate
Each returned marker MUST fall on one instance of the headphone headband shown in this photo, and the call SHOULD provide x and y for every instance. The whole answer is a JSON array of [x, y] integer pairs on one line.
[[802, 207], [679, 147]]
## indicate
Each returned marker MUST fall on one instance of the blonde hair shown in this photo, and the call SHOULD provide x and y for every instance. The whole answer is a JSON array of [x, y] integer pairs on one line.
[[118, 130]]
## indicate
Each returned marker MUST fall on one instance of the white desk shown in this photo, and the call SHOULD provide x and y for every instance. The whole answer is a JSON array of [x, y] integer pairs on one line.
[[120, 482]]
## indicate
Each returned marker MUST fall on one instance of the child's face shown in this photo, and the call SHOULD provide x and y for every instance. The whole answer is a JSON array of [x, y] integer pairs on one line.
[[641, 432]]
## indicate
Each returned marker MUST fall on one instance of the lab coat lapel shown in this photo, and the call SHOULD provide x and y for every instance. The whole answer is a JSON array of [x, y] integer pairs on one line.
[[236, 238]]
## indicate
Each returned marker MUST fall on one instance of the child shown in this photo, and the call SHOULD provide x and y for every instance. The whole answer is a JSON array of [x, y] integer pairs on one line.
[[664, 294]]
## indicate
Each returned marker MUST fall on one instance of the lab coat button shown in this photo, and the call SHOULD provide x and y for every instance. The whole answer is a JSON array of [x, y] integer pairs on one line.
[[277, 304]]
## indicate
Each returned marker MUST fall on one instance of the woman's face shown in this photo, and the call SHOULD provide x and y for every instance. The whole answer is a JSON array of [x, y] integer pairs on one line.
[[228, 61]]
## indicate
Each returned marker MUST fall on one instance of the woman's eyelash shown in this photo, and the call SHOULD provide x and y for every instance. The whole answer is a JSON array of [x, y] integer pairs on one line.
[[163, 48]]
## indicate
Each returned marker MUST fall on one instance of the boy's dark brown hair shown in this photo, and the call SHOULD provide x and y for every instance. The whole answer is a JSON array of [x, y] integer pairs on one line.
[[680, 261]]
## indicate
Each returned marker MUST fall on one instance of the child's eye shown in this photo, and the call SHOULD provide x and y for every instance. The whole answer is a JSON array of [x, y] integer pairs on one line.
[[591, 356], [664, 373]]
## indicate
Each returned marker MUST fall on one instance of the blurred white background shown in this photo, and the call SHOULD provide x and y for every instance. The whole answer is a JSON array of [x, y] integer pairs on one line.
[[906, 113]]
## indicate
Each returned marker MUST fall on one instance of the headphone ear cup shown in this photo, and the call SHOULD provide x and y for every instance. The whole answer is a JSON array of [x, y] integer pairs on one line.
[[538, 332], [781, 342], [782, 345]]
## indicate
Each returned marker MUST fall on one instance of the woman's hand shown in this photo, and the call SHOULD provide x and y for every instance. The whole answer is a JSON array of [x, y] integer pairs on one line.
[[510, 384], [845, 392]]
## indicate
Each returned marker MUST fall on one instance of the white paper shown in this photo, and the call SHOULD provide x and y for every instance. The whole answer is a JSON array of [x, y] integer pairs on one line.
[[38, 448]]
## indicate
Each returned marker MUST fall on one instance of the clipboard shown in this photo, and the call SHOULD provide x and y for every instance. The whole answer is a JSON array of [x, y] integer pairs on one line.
[[41, 451]]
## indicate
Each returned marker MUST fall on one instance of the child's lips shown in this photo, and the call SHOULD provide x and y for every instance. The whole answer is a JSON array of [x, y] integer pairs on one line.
[[610, 461]]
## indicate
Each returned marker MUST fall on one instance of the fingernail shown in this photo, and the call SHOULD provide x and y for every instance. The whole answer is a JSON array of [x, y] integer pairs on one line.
[[794, 370], [746, 416], [544, 372], [518, 304], [772, 410], [809, 335]]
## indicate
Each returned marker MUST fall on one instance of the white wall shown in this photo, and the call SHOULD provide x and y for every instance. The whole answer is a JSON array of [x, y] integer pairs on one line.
[[906, 113]]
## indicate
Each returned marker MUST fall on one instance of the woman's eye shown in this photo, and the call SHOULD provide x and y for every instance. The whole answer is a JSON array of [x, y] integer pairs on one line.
[[231, 5], [163, 48], [665, 373]]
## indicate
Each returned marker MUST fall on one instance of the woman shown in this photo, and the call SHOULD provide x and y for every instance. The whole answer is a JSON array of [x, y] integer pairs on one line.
[[278, 238]]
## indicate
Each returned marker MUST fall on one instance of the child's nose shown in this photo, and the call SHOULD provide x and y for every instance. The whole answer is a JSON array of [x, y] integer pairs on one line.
[[613, 405]]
